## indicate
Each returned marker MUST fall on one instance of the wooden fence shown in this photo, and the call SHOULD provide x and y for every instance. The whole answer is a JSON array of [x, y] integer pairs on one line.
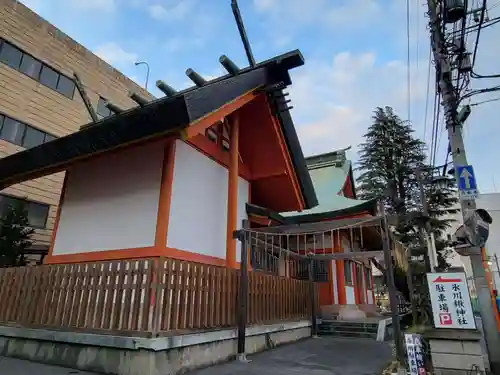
[[148, 297]]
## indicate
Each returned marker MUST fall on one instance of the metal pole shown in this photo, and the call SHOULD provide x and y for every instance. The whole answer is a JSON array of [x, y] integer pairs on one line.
[[147, 71], [450, 104], [243, 296], [497, 272], [392, 290], [314, 326], [243, 33]]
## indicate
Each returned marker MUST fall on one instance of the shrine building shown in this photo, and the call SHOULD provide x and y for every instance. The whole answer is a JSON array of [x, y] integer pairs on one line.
[[174, 177]]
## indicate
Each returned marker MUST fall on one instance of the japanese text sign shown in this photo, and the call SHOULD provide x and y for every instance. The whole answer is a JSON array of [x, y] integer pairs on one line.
[[414, 352], [451, 305]]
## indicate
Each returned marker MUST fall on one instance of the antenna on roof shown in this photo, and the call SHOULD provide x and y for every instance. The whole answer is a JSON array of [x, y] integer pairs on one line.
[[166, 89], [243, 34]]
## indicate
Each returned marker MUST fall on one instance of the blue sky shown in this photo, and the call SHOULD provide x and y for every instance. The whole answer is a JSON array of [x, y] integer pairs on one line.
[[355, 51]]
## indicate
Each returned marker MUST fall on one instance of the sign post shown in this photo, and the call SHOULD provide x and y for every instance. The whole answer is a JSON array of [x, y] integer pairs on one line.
[[451, 304], [466, 182], [415, 354]]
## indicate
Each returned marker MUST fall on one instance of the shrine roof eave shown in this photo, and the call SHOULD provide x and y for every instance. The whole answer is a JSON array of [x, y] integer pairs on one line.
[[369, 206], [167, 116]]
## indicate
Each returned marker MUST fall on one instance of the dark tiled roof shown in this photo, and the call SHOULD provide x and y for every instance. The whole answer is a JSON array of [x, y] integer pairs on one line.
[[168, 115]]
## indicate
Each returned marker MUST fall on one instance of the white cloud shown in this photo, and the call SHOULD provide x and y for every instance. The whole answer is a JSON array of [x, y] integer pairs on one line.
[[174, 10], [177, 43], [264, 5], [343, 13], [114, 54], [333, 102]]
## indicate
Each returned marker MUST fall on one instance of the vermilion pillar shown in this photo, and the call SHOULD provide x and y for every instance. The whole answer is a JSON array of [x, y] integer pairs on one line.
[[232, 192]]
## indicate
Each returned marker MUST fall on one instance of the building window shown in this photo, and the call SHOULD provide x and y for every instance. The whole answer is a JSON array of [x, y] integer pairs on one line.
[[20, 134], [37, 212], [33, 137], [12, 131], [10, 55], [368, 278], [34, 68], [31, 67], [102, 110], [348, 272], [65, 86], [49, 77]]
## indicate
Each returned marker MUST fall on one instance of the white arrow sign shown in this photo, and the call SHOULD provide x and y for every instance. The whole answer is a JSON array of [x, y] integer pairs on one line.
[[466, 175]]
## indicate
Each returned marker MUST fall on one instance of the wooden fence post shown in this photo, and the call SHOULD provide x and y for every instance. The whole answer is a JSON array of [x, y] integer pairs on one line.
[[242, 235], [314, 325]]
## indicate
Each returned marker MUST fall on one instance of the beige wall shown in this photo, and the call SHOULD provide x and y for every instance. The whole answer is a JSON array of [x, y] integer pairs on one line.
[[26, 100]]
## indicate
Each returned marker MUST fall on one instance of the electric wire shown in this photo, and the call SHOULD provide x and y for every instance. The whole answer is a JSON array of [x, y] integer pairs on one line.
[[435, 136], [427, 96], [484, 101], [481, 21], [434, 121], [408, 62]]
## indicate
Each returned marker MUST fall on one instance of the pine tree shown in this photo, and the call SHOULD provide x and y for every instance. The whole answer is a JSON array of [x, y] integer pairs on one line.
[[387, 162], [15, 234]]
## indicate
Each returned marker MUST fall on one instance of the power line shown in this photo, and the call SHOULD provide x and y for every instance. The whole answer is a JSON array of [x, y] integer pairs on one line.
[[481, 21], [408, 69], [427, 96], [485, 101], [436, 129]]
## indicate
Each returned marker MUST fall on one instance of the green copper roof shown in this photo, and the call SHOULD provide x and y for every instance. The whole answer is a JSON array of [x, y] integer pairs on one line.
[[328, 179]]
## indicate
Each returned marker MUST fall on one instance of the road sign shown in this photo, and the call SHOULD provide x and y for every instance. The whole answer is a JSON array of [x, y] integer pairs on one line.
[[451, 305], [466, 182]]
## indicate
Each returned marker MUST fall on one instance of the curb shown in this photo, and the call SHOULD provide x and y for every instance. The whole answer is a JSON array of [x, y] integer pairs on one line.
[[391, 369]]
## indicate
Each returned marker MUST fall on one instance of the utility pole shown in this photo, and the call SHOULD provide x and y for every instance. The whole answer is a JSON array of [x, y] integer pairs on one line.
[[454, 128], [427, 237], [391, 285]]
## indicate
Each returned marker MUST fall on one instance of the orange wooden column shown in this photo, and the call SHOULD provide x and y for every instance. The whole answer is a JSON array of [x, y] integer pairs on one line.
[[48, 257], [232, 193], [167, 178]]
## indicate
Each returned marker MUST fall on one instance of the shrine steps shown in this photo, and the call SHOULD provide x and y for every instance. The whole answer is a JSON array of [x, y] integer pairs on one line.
[[343, 328]]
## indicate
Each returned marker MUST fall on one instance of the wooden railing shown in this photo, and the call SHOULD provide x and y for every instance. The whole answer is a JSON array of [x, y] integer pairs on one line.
[[148, 297]]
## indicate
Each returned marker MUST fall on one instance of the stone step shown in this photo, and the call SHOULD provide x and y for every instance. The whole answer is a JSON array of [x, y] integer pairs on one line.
[[350, 324], [326, 329], [350, 334]]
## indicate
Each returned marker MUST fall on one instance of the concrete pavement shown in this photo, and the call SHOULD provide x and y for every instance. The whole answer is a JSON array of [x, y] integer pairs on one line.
[[326, 355], [13, 366]]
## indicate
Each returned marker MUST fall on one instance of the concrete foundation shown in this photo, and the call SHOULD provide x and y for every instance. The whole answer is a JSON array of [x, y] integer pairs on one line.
[[456, 352], [140, 356]]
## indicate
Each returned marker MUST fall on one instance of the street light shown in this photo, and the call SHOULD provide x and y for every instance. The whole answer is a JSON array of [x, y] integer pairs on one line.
[[147, 72]]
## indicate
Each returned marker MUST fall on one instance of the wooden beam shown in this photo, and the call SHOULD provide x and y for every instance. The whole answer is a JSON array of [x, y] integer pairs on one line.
[[323, 226], [199, 126], [356, 255]]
